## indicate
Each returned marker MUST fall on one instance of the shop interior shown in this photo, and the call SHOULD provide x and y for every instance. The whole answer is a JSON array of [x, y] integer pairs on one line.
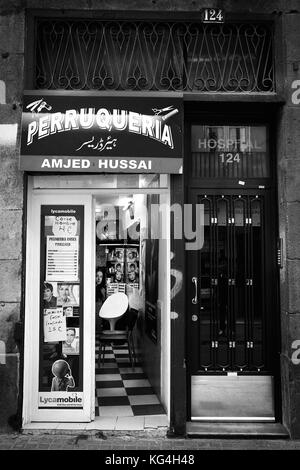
[[129, 327]]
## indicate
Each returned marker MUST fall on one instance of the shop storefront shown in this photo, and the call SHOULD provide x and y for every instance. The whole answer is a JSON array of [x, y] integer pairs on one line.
[[97, 289]]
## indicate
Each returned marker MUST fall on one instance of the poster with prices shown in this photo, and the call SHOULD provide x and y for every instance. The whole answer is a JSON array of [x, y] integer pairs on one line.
[[62, 259]]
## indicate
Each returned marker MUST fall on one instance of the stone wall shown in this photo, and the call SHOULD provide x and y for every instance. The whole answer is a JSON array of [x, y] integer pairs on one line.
[[289, 217], [12, 24]]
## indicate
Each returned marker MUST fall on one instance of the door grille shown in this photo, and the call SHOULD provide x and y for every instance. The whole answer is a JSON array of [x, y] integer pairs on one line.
[[231, 326]]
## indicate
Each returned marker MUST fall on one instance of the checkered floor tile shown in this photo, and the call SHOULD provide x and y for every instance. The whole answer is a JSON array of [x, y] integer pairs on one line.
[[122, 390]]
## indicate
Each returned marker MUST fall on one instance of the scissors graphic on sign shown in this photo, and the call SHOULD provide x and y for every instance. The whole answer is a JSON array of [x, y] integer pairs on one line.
[[162, 110]]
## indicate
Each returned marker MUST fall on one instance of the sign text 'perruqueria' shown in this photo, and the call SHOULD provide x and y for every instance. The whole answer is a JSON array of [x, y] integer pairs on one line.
[[152, 126]]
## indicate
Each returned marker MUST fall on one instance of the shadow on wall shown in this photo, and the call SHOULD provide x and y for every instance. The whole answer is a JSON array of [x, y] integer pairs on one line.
[[9, 369], [149, 353], [11, 331]]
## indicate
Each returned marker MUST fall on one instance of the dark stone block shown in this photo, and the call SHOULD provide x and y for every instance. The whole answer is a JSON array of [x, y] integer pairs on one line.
[[12, 32], [10, 281], [9, 315], [285, 390], [9, 375], [293, 267], [10, 234], [11, 72], [292, 179], [11, 179]]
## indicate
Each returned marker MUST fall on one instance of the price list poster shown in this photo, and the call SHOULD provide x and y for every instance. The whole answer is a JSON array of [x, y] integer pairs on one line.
[[62, 259]]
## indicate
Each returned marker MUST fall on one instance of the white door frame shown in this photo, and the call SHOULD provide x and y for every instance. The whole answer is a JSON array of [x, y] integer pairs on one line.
[[31, 412], [86, 197]]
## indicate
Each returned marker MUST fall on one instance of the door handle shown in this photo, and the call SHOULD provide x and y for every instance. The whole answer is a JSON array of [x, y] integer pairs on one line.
[[195, 299]]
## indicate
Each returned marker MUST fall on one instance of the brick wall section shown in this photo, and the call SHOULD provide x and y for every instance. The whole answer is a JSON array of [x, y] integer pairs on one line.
[[11, 203]]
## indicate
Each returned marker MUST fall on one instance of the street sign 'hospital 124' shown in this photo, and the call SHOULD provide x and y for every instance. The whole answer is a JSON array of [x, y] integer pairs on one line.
[[88, 132]]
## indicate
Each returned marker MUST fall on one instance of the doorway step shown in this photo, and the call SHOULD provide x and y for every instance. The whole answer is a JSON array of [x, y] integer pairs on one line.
[[236, 430]]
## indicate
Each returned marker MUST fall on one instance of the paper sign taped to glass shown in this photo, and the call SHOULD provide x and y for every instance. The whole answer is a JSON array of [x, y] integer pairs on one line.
[[54, 325]]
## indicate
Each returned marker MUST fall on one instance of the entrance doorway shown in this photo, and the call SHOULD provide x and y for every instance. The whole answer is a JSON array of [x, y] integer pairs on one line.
[[231, 304], [128, 334]]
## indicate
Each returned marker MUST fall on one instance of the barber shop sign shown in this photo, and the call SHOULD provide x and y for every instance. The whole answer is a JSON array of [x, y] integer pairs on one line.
[[102, 133]]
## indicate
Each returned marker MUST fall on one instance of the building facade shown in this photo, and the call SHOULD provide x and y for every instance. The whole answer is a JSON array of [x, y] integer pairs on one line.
[[194, 107]]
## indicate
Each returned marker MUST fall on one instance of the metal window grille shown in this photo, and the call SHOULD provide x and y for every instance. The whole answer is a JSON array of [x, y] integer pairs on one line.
[[158, 56]]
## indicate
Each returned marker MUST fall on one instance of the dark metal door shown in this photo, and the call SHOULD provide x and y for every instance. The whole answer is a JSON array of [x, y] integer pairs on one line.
[[230, 287]]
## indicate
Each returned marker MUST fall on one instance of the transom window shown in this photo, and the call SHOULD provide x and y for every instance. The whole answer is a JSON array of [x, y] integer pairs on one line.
[[158, 56]]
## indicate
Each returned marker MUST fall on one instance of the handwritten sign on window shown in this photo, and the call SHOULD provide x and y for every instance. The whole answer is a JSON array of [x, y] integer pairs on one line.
[[64, 226], [54, 325]]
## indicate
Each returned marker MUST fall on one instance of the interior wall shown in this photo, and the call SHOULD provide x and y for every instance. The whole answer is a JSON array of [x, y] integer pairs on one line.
[[164, 304], [151, 357], [149, 352], [155, 357]]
